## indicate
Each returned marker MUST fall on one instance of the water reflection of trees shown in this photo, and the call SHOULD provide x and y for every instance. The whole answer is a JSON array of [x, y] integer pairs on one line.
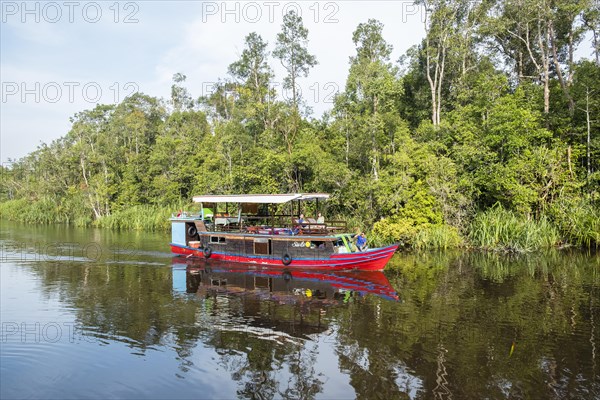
[[469, 326], [463, 313], [257, 339], [254, 340]]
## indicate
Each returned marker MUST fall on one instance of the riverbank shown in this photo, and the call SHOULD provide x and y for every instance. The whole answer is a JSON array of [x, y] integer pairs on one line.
[[136, 218], [496, 229], [565, 224]]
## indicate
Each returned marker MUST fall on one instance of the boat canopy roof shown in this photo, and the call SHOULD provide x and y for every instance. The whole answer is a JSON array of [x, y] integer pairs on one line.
[[259, 198]]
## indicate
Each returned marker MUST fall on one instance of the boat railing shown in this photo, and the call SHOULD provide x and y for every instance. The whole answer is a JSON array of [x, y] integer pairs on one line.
[[274, 224], [185, 215], [337, 225]]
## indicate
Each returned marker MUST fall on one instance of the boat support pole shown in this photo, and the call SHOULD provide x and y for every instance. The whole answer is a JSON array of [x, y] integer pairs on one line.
[[345, 241]]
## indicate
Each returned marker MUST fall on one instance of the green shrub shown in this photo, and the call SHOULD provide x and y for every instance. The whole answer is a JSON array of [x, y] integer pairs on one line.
[[418, 236], [394, 230]]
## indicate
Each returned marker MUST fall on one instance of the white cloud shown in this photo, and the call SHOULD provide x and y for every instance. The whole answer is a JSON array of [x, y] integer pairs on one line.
[[211, 42], [197, 39], [37, 33]]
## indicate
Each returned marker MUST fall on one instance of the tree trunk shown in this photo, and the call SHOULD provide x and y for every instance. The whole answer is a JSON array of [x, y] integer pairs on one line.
[[596, 45], [546, 69], [432, 81], [542, 64], [347, 143], [589, 127], [563, 83], [374, 139], [569, 160], [83, 172], [439, 89]]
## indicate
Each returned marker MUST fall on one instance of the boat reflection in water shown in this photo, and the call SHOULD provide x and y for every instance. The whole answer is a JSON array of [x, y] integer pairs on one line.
[[290, 287], [273, 304]]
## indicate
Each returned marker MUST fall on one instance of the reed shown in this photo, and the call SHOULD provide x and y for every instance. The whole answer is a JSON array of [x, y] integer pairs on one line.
[[503, 230], [13, 209], [41, 212], [138, 218], [572, 222], [578, 222], [47, 211], [437, 237]]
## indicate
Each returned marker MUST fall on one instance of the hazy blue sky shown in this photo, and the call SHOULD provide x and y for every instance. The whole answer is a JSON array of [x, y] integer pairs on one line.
[[58, 58]]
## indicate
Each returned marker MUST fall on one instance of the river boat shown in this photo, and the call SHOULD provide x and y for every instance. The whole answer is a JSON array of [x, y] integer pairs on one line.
[[265, 230]]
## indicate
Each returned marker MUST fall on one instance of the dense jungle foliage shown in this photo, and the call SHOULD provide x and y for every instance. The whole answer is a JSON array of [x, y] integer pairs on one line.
[[486, 134]]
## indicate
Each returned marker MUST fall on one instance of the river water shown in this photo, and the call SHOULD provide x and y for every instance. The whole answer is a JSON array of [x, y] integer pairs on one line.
[[91, 313]]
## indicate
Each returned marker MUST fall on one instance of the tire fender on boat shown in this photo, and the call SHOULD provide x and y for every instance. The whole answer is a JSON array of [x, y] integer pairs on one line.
[[192, 231], [286, 259], [207, 251]]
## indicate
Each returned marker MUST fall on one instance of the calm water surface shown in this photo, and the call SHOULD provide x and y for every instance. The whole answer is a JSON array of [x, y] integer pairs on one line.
[[96, 314]]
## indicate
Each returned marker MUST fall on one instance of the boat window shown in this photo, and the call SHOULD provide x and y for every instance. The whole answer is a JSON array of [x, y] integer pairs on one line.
[[262, 246], [217, 239]]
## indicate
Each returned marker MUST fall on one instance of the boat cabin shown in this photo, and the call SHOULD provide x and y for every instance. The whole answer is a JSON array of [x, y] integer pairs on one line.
[[259, 225], [270, 230]]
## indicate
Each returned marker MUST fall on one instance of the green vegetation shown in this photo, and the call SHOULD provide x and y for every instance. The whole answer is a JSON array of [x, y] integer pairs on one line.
[[138, 217], [44, 211], [500, 229], [578, 220], [486, 134]]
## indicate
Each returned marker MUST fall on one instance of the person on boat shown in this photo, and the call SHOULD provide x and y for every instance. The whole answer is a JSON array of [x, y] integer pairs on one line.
[[301, 221], [320, 219], [299, 225], [361, 242]]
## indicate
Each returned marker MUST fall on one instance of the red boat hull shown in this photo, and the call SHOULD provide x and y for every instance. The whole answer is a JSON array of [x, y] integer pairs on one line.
[[369, 260]]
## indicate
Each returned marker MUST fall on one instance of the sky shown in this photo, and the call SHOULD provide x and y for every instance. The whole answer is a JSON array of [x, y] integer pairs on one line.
[[59, 58]]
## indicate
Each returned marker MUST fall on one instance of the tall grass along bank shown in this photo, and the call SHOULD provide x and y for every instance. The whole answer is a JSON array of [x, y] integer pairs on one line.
[[497, 229], [502, 230], [46, 211]]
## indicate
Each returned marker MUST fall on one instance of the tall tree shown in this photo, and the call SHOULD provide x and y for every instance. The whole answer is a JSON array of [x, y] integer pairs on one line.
[[586, 92], [253, 76], [291, 50], [539, 38], [591, 19], [252, 69], [372, 91], [180, 97], [438, 30]]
